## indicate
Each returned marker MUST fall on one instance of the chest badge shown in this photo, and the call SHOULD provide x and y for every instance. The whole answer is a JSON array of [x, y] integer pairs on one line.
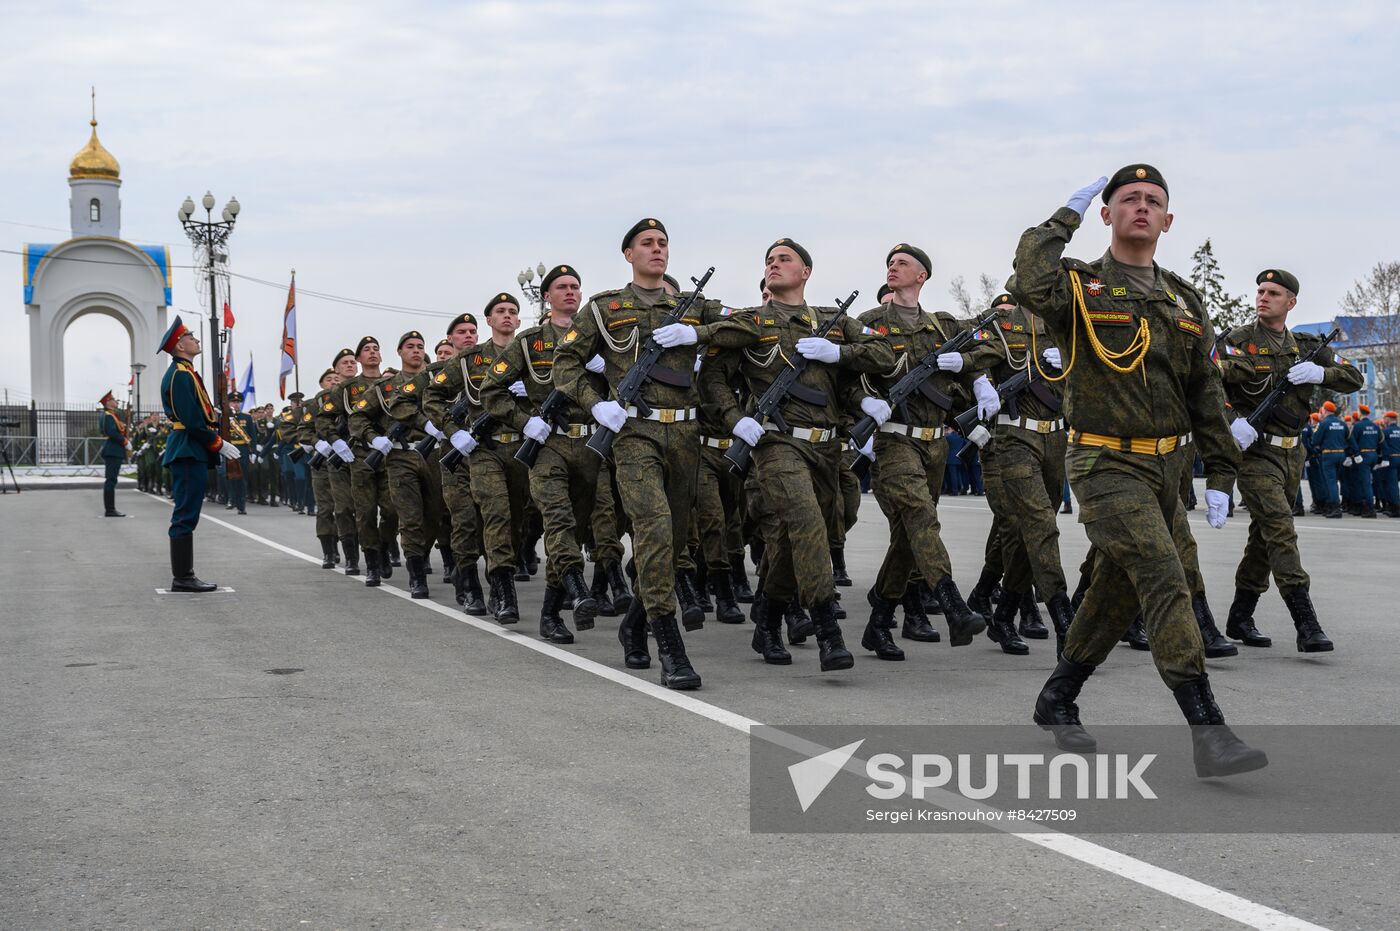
[[1094, 287]]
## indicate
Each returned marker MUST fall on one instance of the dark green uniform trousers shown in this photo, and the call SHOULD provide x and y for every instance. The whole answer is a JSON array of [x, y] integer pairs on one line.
[[1024, 474], [906, 479], [465, 520], [656, 465], [802, 490], [325, 501], [417, 491], [377, 522], [501, 487], [1268, 480], [563, 484], [719, 494], [605, 525], [344, 501]]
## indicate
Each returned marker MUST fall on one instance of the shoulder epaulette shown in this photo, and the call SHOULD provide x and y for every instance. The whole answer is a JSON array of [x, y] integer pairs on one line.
[[1184, 284]]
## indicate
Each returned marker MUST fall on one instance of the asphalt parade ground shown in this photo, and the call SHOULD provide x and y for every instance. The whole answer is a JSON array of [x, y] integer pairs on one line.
[[303, 752]]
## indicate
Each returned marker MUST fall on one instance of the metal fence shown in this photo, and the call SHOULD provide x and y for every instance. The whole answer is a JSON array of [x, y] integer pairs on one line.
[[43, 434]]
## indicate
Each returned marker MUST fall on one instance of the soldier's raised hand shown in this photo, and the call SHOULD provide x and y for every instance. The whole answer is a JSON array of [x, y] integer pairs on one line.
[[1079, 201]]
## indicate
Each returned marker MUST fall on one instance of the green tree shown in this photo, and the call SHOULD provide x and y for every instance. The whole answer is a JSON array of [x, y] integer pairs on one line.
[[1225, 309]]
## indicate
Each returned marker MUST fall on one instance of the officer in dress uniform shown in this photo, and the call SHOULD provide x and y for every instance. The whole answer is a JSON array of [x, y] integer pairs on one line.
[[241, 432], [114, 450], [194, 447]]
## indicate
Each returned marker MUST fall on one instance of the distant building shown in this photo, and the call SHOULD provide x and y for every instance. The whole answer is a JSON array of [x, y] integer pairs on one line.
[[1372, 344]]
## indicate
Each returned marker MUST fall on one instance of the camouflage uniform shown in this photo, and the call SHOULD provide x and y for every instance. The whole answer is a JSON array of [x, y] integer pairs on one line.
[[413, 479], [331, 423], [377, 521], [320, 478], [1131, 436]]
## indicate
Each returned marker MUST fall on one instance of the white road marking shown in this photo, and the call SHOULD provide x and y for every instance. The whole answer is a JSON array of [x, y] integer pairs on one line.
[[1191, 891]]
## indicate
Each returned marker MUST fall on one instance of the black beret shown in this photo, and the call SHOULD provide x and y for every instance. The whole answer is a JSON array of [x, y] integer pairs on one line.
[[1002, 298], [559, 271], [1131, 174], [324, 374], [762, 285], [364, 341], [411, 334], [459, 319], [502, 298], [1279, 277], [884, 289], [802, 253], [347, 351], [642, 225], [441, 343], [914, 252]]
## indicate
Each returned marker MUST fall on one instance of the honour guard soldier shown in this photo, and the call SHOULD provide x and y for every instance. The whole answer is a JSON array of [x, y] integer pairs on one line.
[[1142, 396], [313, 419], [465, 530], [114, 450], [413, 479], [330, 425], [193, 448], [241, 431], [1254, 358]]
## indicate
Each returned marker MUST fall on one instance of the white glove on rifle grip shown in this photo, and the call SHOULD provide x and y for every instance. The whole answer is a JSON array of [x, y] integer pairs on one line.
[[463, 442], [876, 408], [323, 447], [536, 429], [342, 449], [988, 404], [382, 444], [748, 430], [610, 414]]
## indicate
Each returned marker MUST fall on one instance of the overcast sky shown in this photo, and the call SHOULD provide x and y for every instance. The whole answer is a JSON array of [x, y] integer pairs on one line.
[[420, 154]]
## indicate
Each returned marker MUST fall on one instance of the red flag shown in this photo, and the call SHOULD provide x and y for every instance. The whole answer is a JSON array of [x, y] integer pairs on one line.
[[228, 315], [289, 338], [132, 380]]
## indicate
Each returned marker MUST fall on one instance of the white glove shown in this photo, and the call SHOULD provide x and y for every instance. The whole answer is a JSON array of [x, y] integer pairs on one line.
[[1217, 508], [517, 388], [610, 414], [1305, 373], [874, 407], [323, 447], [988, 404], [306, 448], [868, 450], [979, 435], [950, 362], [819, 350], [675, 334], [229, 451], [1348, 462], [595, 365], [698, 360], [431, 429], [1051, 356], [536, 429], [748, 430], [252, 459], [382, 444], [1079, 201], [1380, 465], [258, 449], [463, 442], [342, 449], [1243, 433]]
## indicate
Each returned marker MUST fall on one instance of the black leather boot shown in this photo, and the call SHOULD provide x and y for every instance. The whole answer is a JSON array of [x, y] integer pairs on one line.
[[1002, 627], [799, 623], [1061, 616], [739, 578], [621, 594], [599, 591], [552, 627], [373, 560], [459, 587], [700, 584], [963, 623], [1239, 623], [1216, 645], [1136, 635], [471, 583], [727, 610], [838, 567], [182, 577], [1032, 627], [692, 615], [980, 598], [386, 562], [931, 603], [632, 634], [676, 671], [1056, 710], [109, 503], [1311, 639], [394, 560], [504, 609], [352, 555], [585, 608], [327, 551], [877, 631], [916, 625], [832, 647], [449, 565], [768, 632], [1216, 749], [417, 577]]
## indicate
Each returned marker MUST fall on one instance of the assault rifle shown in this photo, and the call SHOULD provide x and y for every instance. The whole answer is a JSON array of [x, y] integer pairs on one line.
[[1265, 409], [1010, 392], [769, 403], [551, 410], [647, 368], [397, 431], [480, 429]]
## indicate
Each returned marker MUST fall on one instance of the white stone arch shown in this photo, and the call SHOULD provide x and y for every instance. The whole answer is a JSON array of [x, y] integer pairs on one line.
[[110, 305]]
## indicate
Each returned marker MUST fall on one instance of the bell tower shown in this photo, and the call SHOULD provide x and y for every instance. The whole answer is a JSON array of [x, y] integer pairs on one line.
[[94, 179]]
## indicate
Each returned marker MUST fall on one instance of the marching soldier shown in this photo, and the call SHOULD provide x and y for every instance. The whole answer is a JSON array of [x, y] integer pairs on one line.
[[194, 447], [413, 479], [910, 457], [288, 420], [655, 454], [564, 479], [327, 519], [1253, 359], [376, 521], [1145, 391], [114, 450], [465, 519], [331, 426]]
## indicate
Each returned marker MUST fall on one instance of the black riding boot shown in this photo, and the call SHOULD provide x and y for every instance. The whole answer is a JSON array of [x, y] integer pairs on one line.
[[1216, 645], [394, 560], [1239, 623], [877, 631], [552, 626], [373, 560], [676, 671], [963, 623], [109, 503], [838, 567], [1217, 751], [832, 647], [1032, 627], [504, 609], [1311, 639], [916, 625], [768, 632], [632, 634], [1056, 710], [471, 581], [182, 577], [1002, 627], [585, 608]]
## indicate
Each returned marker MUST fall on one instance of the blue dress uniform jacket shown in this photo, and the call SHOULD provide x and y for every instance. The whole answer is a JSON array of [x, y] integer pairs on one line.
[[195, 425], [115, 431]]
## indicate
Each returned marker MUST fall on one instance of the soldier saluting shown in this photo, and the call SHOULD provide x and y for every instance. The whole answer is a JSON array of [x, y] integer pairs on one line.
[[1145, 391]]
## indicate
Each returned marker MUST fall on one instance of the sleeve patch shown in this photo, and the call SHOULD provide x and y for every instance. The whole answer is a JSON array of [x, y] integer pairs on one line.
[[1190, 326], [501, 367]]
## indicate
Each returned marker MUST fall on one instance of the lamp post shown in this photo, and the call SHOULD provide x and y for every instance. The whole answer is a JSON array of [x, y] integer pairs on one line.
[[532, 291], [210, 234], [136, 369]]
